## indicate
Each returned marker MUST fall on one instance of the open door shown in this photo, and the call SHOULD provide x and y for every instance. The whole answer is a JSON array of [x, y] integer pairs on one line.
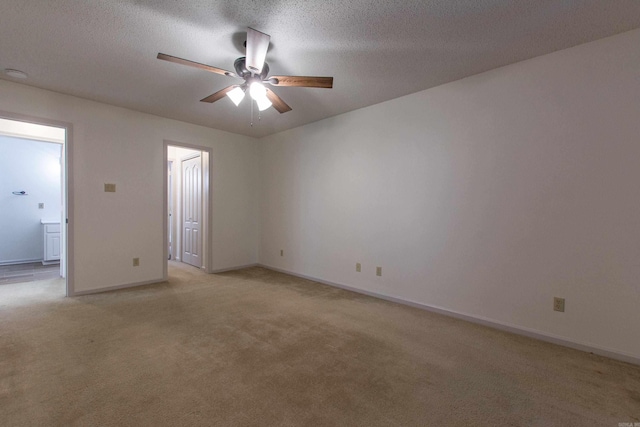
[[192, 210], [187, 205]]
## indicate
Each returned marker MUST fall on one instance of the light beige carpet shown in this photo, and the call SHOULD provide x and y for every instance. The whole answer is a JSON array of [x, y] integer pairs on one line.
[[259, 348]]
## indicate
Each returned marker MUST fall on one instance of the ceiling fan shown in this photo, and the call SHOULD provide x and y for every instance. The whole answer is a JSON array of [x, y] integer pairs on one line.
[[254, 71]]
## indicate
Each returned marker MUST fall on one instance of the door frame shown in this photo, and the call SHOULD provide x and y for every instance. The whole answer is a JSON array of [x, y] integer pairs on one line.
[[207, 246], [67, 231], [170, 215]]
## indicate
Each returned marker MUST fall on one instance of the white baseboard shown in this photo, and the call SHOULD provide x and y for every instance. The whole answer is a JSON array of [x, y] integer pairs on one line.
[[239, 267], [148, 282], [519, 330], [20, 261], [115, 288]]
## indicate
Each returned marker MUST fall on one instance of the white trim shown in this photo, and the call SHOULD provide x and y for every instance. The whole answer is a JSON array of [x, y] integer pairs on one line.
[[20, 261], [68, 189], [148, 282], [165, 211], [239, 267], [519, 330], [117, 287]]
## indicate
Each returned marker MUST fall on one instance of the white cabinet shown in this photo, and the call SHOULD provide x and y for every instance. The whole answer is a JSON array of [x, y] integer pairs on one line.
[[51, 231]]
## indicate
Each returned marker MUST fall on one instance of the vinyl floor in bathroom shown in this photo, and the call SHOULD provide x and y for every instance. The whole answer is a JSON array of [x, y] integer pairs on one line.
[[18, 273]]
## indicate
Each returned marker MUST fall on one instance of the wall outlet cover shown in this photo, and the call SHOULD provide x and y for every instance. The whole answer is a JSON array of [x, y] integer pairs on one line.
[[378, 271], [358, 267], [136, 262], [558, 304], [40, 205], [109, 188]]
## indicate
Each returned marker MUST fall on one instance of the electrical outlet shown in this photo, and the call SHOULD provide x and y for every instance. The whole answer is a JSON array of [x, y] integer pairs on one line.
[[136, 262], [358, 267], [378, 271], [40, 205], [281, 252], [109, 188], [558, 304]]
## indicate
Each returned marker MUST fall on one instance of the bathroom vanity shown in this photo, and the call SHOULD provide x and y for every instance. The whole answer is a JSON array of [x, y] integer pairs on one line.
[[51, 239]]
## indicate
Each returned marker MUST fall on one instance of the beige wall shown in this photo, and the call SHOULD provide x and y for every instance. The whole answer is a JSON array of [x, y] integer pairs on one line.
[[487, 196], [116, 145]]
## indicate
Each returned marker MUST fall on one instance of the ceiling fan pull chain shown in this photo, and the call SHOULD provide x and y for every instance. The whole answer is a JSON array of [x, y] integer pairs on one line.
[[251, 113]]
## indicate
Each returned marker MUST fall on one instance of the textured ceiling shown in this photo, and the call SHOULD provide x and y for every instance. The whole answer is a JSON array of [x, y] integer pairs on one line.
[[375, 50]]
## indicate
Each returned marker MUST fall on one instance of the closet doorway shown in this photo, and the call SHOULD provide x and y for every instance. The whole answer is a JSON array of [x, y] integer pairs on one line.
[[187, 204]]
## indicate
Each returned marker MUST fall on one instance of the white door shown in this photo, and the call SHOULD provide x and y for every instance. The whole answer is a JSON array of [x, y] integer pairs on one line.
[[192, 211]]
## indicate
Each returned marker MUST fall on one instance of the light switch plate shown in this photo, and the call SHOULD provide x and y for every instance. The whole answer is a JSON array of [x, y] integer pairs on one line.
[[109, 188], [378, 271], [40, 205]]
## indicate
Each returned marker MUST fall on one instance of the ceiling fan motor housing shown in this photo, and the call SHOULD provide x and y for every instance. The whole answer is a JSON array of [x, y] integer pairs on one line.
[[240, 66]]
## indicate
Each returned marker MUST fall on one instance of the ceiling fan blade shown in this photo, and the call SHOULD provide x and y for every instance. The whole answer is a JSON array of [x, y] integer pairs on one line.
[[301, 81], [257, 46], [219, 94], [277, 102], [205, 67]]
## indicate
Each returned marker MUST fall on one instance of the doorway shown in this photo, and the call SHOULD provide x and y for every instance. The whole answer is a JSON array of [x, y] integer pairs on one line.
[[34, 189], [187, 205]]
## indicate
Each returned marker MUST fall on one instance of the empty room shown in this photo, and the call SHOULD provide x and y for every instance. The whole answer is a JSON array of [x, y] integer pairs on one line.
[[365, 213]]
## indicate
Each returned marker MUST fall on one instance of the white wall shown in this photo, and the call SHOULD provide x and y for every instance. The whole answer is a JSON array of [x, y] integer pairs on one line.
[[34, 167], [487, 196], [116, 145]]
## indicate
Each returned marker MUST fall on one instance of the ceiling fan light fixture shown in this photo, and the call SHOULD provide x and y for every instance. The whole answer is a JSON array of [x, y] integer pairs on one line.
[[263, 103], [257, 91], [236, 95], [253, 69]]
